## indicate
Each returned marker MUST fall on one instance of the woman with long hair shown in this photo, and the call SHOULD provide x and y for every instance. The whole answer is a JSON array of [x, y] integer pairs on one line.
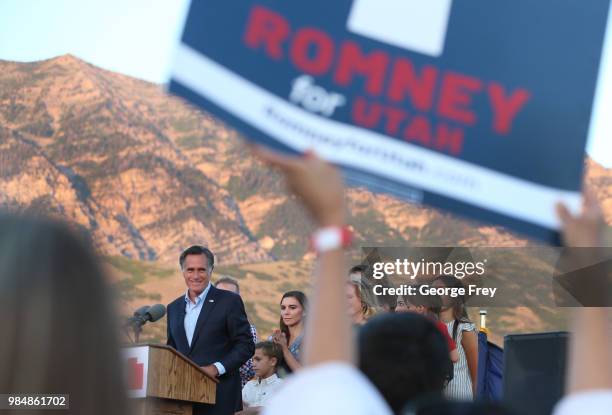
[[454, 314], [289, 336], [60, 334]]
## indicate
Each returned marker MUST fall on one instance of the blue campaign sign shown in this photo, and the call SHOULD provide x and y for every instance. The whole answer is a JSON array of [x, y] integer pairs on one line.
[[480, 107]]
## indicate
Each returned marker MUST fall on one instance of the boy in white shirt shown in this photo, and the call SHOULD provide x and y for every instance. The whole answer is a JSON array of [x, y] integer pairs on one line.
[[256, 392]]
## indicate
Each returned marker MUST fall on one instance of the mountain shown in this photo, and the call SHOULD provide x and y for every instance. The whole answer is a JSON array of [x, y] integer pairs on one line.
[[148, 174], [100, 149]]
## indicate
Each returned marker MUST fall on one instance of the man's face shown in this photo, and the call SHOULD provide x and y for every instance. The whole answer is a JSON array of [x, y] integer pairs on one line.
[[227, 287], [196, 273]]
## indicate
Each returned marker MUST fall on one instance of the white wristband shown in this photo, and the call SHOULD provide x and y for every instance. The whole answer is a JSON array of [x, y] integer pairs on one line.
[[330, 238]]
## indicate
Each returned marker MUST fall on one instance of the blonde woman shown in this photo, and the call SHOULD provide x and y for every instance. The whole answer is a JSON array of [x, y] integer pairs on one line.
[[360, 309]]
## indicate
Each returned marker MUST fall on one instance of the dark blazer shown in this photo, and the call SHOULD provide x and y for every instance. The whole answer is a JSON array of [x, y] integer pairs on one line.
[[222, 334]]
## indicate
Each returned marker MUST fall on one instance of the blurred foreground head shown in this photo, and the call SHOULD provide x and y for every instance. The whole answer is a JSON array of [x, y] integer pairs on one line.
[[57, 320], [405, 356]]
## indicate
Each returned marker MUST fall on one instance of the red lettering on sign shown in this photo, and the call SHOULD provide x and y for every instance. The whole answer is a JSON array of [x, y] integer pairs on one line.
[[439, 95], [267, 28], [418, 130], [366, 114], [352, 61], [307, 39], [394, 118], [404, 81], [449, 139], [505, 108], [456, 97]]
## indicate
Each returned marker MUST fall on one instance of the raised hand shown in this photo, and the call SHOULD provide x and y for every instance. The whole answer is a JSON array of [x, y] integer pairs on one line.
[[586, 228], [317, 183]]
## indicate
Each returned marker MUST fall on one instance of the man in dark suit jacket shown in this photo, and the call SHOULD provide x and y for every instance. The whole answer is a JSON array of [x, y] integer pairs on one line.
[[210, 327]]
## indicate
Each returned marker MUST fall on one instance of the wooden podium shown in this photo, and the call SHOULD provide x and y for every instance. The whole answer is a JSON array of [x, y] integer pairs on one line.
[[163, 381]]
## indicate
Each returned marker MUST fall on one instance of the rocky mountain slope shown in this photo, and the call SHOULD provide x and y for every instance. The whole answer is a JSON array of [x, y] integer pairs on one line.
[[148, 174]]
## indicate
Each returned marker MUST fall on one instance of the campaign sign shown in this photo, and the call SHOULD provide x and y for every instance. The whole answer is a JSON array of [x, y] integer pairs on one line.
[[480, 107]]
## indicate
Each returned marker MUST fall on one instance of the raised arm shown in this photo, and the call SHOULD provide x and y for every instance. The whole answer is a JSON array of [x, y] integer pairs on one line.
[[279, 338], [320, 188], [590, 360]]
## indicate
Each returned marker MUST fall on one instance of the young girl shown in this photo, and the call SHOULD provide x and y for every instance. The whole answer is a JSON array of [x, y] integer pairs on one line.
[[463, 332], [289, 337]]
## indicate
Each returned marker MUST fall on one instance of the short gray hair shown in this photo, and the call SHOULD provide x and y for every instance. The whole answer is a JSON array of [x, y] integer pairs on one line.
[[198, 250], [229, 280]]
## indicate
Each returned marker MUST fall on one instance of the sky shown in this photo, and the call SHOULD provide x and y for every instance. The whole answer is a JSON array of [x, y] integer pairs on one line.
[[138, 38], [134, 37]]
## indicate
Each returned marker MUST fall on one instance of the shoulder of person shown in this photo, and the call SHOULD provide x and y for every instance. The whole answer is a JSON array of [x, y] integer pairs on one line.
[[328, 388], [274, 378], [298, 341], [467, 326], [440, 324], [593, 402], [224, 295], [250, 384], [177, 302]]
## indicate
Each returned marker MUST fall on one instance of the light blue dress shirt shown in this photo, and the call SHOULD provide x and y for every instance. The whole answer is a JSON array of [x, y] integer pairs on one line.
[[192, 312]]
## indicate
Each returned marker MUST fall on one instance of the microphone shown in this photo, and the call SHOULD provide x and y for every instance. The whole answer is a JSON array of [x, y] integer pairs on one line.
[[141, 311], [155, 312], [142, 315], [147, 313], [138, 316]]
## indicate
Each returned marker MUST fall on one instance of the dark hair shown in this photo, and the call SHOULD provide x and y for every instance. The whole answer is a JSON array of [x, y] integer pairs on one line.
[[359, 269], [405, 356], [271, 350], [49, 279], [302, 299], [433, 303], [198, 250], [387, 303], [229, 280], [460, 314]]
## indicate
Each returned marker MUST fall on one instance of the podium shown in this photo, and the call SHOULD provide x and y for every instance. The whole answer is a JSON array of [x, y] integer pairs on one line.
[[163, 381]]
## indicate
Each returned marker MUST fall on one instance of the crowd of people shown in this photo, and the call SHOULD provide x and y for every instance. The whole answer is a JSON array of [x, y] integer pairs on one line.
[[334, 352], [447, 313]]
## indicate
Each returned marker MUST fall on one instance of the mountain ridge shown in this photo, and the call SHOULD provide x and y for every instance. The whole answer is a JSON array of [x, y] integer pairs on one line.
[[148, 174]]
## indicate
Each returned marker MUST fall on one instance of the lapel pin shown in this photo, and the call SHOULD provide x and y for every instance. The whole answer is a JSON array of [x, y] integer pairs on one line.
[[211, 301]]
